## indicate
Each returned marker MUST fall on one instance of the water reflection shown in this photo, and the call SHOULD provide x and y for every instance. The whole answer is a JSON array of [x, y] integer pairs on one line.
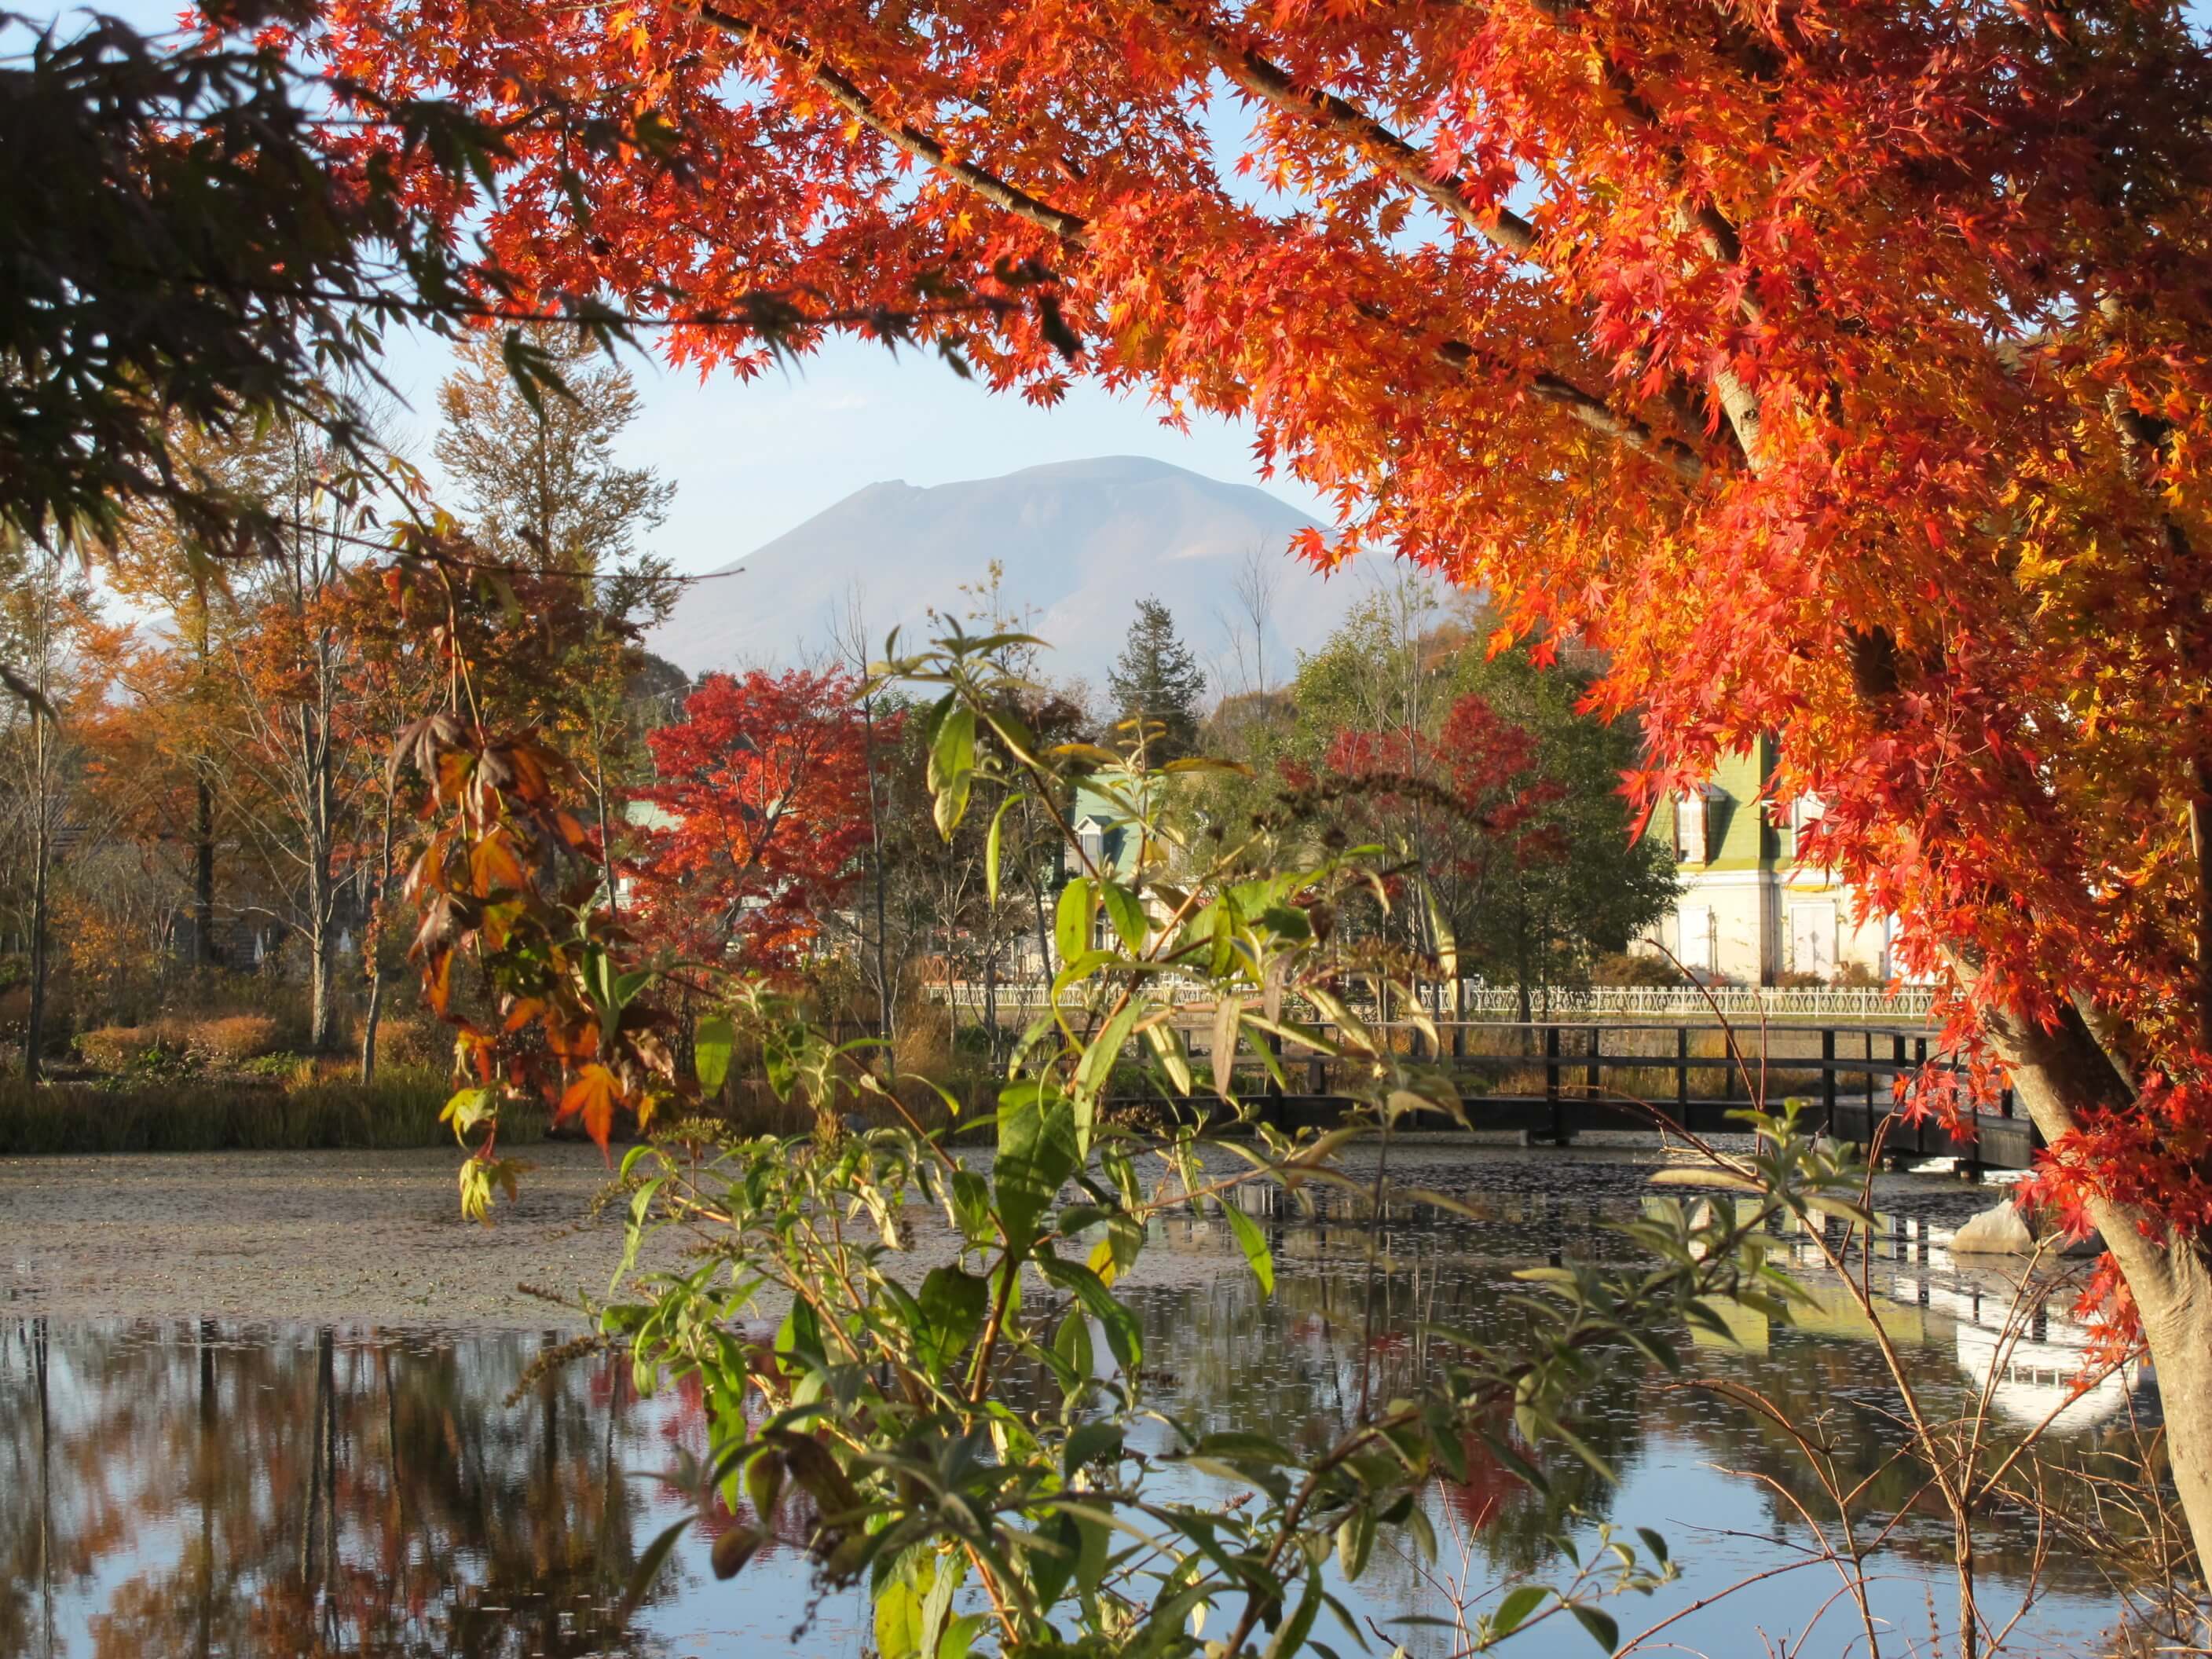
[[207, 1490]]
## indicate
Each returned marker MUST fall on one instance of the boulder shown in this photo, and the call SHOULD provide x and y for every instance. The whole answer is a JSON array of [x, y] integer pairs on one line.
[[2000, 1229]]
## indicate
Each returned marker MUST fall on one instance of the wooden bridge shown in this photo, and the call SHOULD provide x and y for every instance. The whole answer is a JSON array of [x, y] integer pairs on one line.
[[1551, 1082]]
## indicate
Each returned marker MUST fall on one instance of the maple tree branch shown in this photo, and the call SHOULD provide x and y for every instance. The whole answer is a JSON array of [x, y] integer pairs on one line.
[[848, 97], [1503, 227], [1406, 161], [1602, 418], [1714, 230], [1390, 151], [1398, 157]]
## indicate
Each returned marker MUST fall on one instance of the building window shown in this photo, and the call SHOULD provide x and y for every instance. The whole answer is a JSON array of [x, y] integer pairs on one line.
[[1092, 840], [1693, 828]]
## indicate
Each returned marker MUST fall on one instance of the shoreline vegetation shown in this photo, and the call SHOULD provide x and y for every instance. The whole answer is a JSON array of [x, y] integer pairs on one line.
[[399, 1110]]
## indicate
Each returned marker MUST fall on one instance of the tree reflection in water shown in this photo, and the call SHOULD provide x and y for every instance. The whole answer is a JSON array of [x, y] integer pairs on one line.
[[212, 1489], [208, 1491]]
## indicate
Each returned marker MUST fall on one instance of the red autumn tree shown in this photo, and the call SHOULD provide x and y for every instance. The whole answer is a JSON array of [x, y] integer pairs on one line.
[[1840, 369], [1465, 806], [756, 826]]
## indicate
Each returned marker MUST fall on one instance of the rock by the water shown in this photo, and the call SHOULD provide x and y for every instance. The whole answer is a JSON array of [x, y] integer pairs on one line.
[[1999, 1230]]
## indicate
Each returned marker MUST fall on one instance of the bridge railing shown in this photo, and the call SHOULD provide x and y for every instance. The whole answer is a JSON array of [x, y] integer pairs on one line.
[[1908, 1005], [1556, 1080]]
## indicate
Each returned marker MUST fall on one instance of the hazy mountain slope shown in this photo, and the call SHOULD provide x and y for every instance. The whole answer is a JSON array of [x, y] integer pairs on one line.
[[1081, 541]]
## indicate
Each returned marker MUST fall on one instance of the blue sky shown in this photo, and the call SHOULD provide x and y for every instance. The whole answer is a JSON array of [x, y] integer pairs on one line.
[[752, 460]]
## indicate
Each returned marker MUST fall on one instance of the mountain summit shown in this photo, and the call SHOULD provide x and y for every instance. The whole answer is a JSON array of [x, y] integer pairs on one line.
[[1081, 542]]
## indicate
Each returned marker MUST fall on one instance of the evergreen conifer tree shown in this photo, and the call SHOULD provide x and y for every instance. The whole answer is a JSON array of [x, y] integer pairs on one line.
[[1158, 680]]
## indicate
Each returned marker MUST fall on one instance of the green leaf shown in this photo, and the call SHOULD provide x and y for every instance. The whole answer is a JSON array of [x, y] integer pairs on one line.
[[1090, 1442], [953, 768], [899, 1621], [1513, 1611], [991, 844], [1424, 1532], [1355, 1537], [1166, 1042], [1576, 1444], [1227, 1012], [1052, 1559], [1599, 1623], [467, 1109], [1531, 1476], [1071, 922], [960, 1633], [649, 1569], [1123, 1335], [1036, 1154], [945, 1575], [1126, 912], [711, 1049], [733, 1549], [1096, 1066], [1073, 1344], [953, 1304], [971, 1205], [1253, 1244], [1241, 1446], [1291, 1638], [1655, 1543]]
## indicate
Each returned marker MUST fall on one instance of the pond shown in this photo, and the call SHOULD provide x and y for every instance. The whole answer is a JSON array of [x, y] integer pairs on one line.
[[222, 1487]]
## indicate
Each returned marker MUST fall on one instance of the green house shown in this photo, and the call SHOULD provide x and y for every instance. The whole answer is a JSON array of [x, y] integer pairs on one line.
[[1751, 912]]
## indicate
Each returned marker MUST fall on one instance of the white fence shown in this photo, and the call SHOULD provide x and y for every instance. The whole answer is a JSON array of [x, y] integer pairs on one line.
[[1907, 1006]]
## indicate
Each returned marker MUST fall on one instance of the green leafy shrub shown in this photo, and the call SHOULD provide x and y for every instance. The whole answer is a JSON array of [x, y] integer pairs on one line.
[[284, 1068]]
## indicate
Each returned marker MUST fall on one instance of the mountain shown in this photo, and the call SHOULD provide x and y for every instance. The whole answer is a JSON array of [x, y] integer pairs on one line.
[[1080, 542]]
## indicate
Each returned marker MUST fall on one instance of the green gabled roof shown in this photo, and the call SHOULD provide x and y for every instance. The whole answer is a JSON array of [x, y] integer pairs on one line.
[[1740, 837]]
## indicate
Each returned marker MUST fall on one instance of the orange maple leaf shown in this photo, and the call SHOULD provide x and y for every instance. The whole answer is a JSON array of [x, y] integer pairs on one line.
[[592, 1095], [493, 864]]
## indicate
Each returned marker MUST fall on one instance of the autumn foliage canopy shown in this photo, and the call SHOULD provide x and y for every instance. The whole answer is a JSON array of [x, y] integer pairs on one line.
[[1836, 368]]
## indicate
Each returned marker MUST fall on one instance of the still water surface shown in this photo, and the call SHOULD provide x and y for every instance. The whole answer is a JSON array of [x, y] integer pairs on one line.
[[199, 1488]]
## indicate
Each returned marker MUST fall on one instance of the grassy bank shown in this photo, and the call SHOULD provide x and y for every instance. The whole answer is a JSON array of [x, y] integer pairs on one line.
[[214, 1114]]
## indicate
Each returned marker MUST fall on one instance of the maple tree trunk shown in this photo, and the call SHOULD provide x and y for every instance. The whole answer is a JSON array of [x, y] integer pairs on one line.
[[2057, 1074], [2200, 844], [371, 1016], [205, 953]]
